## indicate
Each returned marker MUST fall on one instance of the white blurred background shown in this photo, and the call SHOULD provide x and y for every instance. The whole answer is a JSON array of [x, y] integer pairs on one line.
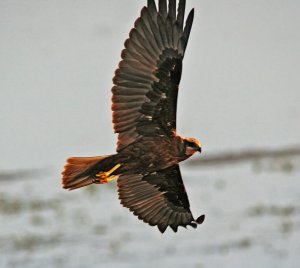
[[240, 89]]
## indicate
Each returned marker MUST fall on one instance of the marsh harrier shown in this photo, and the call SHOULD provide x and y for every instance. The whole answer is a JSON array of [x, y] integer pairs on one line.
[[144, 103]]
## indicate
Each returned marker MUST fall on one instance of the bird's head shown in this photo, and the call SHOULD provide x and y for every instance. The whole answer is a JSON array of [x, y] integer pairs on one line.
[[192, 146]]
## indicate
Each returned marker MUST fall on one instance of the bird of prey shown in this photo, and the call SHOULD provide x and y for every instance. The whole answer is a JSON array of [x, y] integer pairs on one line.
[[144, 102]]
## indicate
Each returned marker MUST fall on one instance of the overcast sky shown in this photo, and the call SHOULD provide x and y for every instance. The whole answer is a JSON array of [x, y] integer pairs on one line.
[[240, 85]]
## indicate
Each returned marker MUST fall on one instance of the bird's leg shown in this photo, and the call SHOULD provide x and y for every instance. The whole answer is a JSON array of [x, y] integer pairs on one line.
[[105, 177]]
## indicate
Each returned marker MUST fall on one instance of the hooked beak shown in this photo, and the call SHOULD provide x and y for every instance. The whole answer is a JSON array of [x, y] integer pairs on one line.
[[199, 149]]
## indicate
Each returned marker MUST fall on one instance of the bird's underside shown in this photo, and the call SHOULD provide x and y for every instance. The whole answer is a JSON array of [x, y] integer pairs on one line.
[[144, 105]]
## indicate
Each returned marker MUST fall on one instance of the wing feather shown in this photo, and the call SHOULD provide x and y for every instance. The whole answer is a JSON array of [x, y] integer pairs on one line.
[[187, 28], [154, 29], [130, 89], [163, 30], [172, 10], [126, 54], [136, 65], [169, 31], [180, 15], [163, 8], [152, 7], [150, 36]]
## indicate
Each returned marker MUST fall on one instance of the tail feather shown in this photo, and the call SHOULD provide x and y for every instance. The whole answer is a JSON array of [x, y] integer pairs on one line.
[[75, 174]]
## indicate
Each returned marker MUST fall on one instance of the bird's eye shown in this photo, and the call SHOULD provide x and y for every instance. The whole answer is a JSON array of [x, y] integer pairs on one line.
[[190, 144]]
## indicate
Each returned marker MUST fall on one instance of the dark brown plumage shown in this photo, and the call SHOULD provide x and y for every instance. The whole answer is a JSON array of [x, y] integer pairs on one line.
[[144, 105]]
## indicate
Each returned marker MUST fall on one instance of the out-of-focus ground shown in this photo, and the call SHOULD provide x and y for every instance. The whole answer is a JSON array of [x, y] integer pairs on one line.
[[239, 95], [252, 219]]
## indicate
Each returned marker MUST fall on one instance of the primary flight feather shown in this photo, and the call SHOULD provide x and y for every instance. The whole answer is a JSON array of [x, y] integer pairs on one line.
[[144, 105]]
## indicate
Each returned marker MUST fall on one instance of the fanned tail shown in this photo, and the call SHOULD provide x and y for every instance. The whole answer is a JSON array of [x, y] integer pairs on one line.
[[81, 171]]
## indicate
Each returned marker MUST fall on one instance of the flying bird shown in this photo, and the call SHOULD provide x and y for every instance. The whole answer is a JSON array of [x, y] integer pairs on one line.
[[144, 104]]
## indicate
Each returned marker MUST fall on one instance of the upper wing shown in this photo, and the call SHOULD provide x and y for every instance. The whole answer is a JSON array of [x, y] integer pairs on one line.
[[146, 82], [158, 198]]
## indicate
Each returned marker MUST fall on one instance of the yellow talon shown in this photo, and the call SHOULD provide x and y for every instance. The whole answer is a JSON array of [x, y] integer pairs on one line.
[[105, 176], [112, 170]]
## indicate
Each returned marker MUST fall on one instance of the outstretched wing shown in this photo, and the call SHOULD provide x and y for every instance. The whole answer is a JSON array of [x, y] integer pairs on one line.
[[146, 82], [158, 198]]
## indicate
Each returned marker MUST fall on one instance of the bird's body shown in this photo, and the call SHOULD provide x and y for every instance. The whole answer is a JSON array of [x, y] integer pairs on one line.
[[144, 114], [146, 157], [143, 156]]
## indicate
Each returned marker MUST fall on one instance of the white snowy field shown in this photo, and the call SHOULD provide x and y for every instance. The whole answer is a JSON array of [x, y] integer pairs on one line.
[[252, 220], [239, 90]]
